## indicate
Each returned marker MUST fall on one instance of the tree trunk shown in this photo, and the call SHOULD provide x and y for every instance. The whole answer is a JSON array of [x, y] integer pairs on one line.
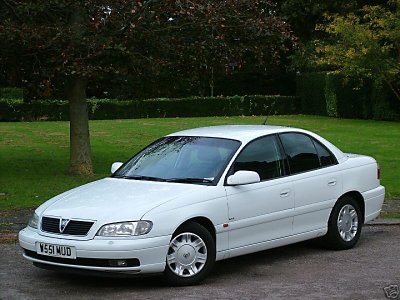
[[80, 153], [393, 88]]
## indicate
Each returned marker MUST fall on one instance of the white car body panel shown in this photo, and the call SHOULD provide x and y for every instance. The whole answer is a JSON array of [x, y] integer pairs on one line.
[[148, 250], [174, 213], [246, 218], [260, 212], [313, 205], [121, 193], [373, 202]]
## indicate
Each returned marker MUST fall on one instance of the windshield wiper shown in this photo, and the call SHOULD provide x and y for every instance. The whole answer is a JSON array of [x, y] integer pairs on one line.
[[179, 180], [139, 177], [190, 180]]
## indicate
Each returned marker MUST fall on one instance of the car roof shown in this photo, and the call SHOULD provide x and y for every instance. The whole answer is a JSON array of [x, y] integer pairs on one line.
[[247, 133], [243, 133]]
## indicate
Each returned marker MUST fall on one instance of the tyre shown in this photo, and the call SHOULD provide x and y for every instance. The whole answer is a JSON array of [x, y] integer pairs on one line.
[[344, 225], [191, 255]]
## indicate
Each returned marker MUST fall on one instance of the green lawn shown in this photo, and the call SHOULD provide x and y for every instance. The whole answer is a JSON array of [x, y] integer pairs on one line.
[[34, 156]]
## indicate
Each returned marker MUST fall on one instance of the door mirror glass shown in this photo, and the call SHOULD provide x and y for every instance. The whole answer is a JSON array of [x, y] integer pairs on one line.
[[243, 177]]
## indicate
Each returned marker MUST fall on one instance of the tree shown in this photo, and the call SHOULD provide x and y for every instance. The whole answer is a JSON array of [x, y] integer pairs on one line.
[[70, 43], [305, 15], [365, 44]]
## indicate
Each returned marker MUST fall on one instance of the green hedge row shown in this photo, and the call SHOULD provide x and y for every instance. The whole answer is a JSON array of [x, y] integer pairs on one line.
[[103, 109], [330, 94]]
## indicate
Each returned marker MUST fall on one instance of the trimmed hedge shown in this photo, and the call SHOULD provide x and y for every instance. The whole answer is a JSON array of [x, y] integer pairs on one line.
[[310, 90], [331, 94], [104, 109], [346, 98]]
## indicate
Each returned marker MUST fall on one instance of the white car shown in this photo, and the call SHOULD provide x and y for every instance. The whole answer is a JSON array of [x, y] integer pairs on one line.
[[202, 195]]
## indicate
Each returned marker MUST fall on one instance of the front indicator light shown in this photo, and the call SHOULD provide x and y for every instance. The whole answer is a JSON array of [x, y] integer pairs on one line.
[[34, 221], [126, 228]]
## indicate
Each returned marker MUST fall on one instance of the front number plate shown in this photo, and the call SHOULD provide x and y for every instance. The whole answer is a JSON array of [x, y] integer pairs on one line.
[[56, 250]]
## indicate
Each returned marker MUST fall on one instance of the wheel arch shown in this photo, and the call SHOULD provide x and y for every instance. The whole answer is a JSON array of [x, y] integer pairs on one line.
[[203, 221], [359, 199]]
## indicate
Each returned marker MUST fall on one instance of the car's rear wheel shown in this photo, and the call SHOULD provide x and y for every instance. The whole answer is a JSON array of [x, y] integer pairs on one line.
[[191, 255], [344, 225]]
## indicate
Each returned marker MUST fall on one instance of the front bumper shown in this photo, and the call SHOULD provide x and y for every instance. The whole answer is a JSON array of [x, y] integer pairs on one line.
[[150, 253]]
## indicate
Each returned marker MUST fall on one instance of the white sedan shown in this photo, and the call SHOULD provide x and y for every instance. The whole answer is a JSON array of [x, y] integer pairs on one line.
[[202, 195]]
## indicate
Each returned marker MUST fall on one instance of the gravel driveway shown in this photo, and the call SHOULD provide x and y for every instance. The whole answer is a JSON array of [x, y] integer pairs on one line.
[[301, 271]]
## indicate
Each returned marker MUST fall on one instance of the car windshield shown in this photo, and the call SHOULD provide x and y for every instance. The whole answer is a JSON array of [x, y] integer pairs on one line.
[[186, 159]]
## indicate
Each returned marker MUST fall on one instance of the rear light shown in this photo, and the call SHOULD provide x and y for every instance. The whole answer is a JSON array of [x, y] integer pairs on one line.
[[379, 171]]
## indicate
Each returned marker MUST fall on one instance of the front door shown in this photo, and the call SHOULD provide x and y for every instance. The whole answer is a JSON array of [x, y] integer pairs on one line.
[[262, 211]]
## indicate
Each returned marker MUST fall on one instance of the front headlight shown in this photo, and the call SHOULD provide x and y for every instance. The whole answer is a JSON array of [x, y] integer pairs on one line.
[[34, 221], [126, 228]]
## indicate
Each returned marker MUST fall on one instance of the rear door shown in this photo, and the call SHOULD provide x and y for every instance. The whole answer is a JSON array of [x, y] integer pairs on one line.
[[317, 182]]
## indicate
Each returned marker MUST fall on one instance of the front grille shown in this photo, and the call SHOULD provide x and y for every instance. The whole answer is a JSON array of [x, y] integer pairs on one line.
[[80, 261], [51, 224], [73, 227]]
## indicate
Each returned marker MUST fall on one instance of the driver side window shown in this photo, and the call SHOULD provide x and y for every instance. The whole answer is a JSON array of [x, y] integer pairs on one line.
[[262, 156]]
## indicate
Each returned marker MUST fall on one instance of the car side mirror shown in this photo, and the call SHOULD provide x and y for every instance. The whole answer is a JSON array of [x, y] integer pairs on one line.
[[115, 166], [243, 177]]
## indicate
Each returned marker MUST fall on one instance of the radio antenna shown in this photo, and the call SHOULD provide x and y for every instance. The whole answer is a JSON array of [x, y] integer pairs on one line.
[[269, 113]]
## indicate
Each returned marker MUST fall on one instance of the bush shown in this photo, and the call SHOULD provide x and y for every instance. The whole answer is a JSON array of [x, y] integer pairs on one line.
[[17, 110], [103, 109], [331, 94], [11, 93]]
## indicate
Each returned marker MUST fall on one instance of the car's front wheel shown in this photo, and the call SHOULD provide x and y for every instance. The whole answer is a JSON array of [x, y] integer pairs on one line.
[[191, 255], [344, 225]]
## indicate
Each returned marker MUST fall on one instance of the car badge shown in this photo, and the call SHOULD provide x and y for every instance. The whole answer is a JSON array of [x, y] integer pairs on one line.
[[63, 224]]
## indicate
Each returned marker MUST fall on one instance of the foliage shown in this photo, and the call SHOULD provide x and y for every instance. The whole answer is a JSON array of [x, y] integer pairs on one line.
[[100, 109], [254, 80], [248, 80], [11, 93], [331, 94], [60, 44], [365, 44], [310, 90], [45, 43], [304, 15], [37, 154]]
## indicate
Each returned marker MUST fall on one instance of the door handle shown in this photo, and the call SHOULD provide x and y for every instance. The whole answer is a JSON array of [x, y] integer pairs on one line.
[[332, 182], [285, 193]]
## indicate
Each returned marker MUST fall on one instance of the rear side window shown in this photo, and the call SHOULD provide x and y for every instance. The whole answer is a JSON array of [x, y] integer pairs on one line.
[[326, 157], [262, 156], [300, 151]]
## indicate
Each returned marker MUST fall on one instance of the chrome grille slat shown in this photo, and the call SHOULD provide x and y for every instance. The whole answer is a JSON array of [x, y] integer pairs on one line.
[[74, 227]]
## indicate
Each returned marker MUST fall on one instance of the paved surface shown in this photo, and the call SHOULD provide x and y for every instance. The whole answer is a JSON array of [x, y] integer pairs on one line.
[[392, 205], [301, 271]]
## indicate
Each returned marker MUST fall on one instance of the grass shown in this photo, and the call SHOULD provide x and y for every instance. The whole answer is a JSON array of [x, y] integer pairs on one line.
[[389, 215], [34, 155]]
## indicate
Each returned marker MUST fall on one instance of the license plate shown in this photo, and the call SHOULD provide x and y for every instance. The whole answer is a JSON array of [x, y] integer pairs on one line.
[[56, 250]]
